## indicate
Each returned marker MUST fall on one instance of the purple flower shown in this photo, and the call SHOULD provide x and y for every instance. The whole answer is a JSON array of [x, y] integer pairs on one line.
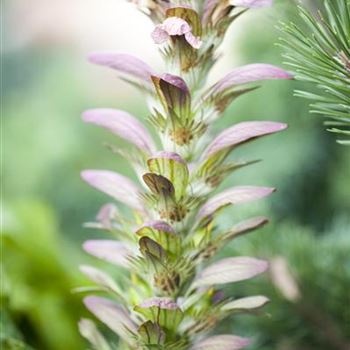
[[175, 26]]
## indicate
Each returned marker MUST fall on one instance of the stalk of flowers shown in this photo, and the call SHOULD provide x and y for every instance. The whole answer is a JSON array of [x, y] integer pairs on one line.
[[170, 296]]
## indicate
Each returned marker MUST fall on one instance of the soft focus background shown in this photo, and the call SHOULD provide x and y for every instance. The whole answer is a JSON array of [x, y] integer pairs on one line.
[[46, 84]]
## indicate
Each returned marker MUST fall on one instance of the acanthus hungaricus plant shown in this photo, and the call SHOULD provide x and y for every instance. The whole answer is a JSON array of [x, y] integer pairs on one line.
[[170, 295]]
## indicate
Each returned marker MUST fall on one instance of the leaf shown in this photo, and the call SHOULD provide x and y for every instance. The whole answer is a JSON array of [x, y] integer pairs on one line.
[[230, 270]]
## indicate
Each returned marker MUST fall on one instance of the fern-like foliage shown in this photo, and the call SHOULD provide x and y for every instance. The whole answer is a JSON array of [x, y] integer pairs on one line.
[[320, 54]]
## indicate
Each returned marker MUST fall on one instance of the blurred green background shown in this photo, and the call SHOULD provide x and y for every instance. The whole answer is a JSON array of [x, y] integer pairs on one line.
[[46, 84]]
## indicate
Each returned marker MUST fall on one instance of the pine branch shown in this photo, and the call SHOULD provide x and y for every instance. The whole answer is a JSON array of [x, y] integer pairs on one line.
[[320, 55]]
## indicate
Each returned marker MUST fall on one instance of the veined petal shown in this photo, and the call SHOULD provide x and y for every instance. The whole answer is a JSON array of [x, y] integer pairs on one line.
[[112, 315], [194, 41], [123, 63], [112, 251], [222, 342], [230, 270], [248, 303], [122, 124], [240, 133], [250, 73], [115, 185], [251, 3], [234, 195]]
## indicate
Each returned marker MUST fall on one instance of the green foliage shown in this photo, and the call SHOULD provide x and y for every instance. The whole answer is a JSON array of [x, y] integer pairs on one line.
[[36, 302], [320, 55]]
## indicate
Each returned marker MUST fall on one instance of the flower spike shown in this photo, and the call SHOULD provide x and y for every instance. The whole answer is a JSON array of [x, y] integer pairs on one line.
[[168, 295]]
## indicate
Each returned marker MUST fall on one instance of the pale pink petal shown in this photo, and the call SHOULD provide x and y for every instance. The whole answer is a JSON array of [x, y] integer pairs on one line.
[[248, 303], [162, 303], [251, 73], [250, 224], [176, 26], [221, 342], [234, 195], [89, 331], [122, 124], [112, 315], [240, 133], [194, 41], [251, 3], [115, 185], [123, 63], [230, 270], [284, 280], [106, 214], [100, 277], [112, 251], [159, 35]]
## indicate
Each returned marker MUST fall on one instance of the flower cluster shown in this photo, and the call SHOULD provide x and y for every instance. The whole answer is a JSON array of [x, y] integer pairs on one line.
[[169, 296]]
